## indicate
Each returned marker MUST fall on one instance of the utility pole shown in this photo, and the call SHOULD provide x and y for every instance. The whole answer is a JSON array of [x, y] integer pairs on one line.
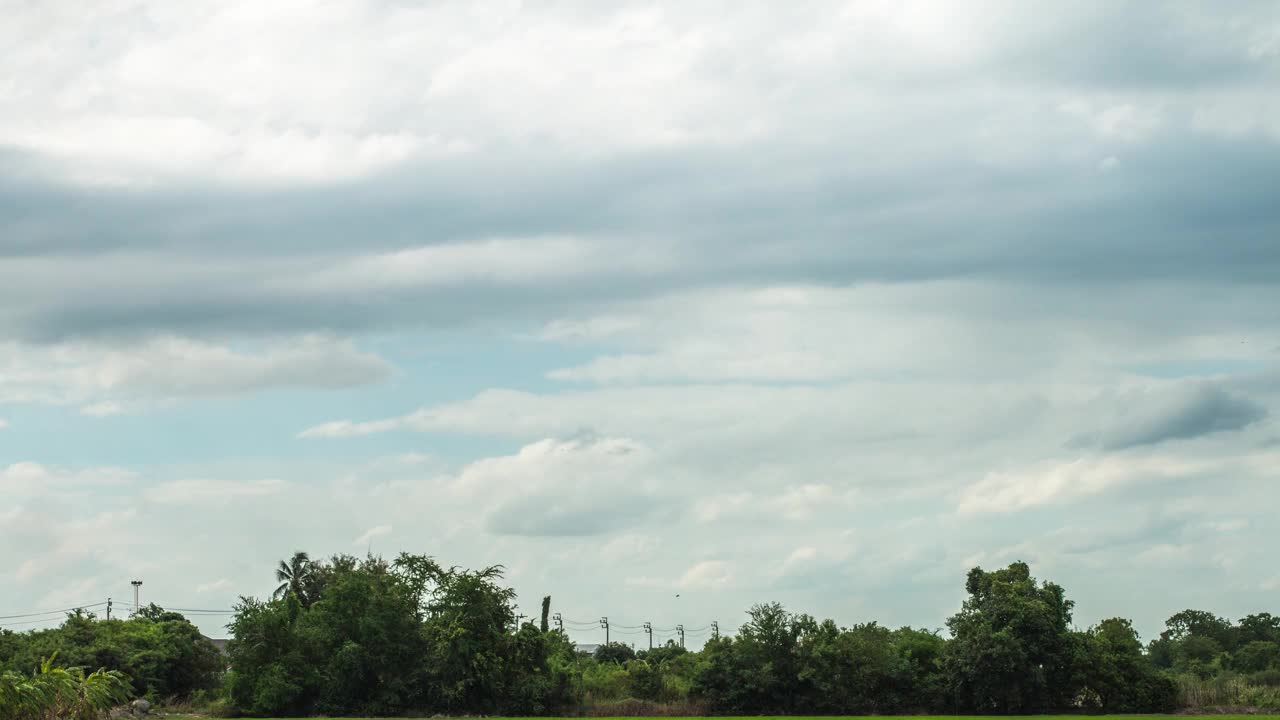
[[559, 622], [648, 629], [715, 630], [680, 629], [136, 584], [108, 609], [604, 623]]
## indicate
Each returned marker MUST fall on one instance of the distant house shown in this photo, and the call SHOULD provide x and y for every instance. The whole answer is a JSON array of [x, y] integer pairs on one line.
[[221, 644], [588, 648]]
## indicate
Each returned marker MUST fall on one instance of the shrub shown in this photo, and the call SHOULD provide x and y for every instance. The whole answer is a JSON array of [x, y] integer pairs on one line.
[[61, 693]]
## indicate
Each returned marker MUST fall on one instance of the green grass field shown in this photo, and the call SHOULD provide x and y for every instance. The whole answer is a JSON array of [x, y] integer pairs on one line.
[[915, 717]]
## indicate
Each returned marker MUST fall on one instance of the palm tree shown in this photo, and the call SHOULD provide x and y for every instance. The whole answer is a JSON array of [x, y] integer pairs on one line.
[[293, 576]]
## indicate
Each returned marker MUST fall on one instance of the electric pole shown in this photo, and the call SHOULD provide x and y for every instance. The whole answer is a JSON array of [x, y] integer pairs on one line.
[[108, 609], [136, 584], [559, 622], [680, 629], [648, 629], [604, 623], [715, 630]]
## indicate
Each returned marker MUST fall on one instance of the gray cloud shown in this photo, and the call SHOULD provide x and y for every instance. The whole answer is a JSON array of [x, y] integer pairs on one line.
[[983, 154], [819, 273], [223, 262], [576, 516], [1190, 412]]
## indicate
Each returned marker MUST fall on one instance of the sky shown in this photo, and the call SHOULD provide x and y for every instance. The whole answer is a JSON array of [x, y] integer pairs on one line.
[[669, 308]]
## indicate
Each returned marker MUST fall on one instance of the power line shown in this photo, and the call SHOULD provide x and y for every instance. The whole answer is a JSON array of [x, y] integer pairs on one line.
[[54, 612], [28, 622]]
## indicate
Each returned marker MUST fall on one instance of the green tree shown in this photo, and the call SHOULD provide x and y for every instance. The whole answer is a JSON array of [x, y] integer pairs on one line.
[[1012, 650], [294, 576], [923, 685], [1263, 627], [162, 653], [546, 614], [849, 672], [1257, 656], [758, 671], [614, 652], [1118, 677], [468, 630]]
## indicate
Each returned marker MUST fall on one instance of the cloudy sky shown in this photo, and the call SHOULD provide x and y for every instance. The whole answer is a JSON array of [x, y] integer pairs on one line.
[[818, 302]]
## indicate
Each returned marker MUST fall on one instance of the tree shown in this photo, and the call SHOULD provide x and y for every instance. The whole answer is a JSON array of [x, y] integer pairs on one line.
[[1257, 656], [161, 653], [1117, 676], [546, 613], [467, 628], [614, 652], [293, 576], [1263, 627], [1012, 650], [923, 681], [849, 672], [758, 671]]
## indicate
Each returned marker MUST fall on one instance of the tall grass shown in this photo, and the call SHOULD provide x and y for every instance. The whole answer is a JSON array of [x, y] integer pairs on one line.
[[1227, 691], [54, 693]]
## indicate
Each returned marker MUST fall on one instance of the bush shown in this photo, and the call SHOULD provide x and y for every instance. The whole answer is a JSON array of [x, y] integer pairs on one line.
[[1266, 678], [1261, 697], [54, 693]]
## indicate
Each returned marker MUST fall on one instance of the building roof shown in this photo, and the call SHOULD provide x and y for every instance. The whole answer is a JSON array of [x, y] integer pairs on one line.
[[220, 643]]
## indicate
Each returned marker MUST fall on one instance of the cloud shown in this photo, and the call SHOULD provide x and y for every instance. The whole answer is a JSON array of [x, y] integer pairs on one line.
[[102, 409], [375, 532], [1058, 482], [4, 424], [261, 202], [799, 557], [347, 428], [624, 346], [1180, 413], [581, 487], [36, 480], [219, 585], [706, 574], [198, 492], [175, 367]]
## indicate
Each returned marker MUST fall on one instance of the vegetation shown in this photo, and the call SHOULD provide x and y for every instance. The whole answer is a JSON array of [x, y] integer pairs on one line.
[[60, 693], [368, 637], [164, 655]]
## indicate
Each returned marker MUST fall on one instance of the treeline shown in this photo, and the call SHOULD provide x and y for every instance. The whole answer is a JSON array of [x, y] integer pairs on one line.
[[353, 637], [161, 653]]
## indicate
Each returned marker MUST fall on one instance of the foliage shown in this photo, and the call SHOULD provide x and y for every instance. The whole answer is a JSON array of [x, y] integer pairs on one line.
[[614, 652], [61, 693], [348, 636], [378, 638], [295, 576], [165, 655], [1117, 676], [1012, 650]]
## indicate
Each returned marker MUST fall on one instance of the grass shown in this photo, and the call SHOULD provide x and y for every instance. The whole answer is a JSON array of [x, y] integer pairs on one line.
[[914, 717]]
